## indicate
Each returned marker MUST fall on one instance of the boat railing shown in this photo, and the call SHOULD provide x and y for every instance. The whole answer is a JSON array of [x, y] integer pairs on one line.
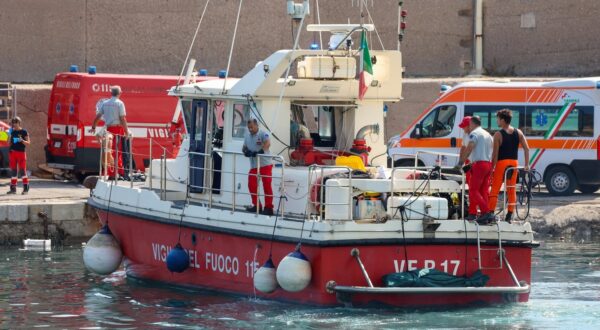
[[122, 146], [508, 187], [164, 176], [206, 187], [316, 201], [429, 169]]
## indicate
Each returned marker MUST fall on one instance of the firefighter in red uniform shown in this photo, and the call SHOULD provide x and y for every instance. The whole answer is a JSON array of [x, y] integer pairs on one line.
[[112, 111], [19, 140]]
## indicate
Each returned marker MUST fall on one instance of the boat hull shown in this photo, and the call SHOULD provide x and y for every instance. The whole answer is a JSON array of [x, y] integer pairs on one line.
[[227, 262]]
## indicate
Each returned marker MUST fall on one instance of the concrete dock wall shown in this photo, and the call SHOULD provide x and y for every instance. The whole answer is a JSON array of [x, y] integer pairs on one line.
[[65, 220]]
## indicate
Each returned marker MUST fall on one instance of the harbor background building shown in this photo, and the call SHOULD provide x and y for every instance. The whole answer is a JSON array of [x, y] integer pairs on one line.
[[521, 38]]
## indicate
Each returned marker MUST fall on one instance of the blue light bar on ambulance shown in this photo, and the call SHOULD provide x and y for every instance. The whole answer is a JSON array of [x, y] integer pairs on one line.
[[74, 68], [203, 72], [92, 69], [598, 84], [444, 88], [222, 73]]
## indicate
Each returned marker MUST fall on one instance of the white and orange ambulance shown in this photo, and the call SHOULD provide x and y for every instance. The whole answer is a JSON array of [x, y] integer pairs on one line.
[[561, 120]]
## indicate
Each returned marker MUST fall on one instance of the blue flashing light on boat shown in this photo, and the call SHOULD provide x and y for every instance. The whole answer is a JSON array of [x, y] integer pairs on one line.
[[314, 46], [222, 73], [92, 69], [203, 72], [74, 68]]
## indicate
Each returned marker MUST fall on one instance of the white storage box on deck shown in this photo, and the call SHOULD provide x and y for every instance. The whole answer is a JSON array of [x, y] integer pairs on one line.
[[327, 67], [418, 207], [369, 209]]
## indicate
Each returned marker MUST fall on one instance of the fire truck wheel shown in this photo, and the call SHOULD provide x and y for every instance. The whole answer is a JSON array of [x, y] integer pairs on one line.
[[560, 181], [588, 188]]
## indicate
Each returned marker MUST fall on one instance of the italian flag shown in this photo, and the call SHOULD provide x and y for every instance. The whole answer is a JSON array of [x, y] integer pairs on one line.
[[366, 67]]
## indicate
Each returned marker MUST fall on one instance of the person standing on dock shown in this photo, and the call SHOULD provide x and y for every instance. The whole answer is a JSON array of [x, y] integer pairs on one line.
[[257, 142], [505, 156], [17, 158], [479, 151], [112, 111]]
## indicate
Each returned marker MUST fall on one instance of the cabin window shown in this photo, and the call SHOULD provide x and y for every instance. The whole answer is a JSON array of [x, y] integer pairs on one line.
[[541, 119], [218, 121], [438, 122], [241, 113], [316, 122], [487, 113], [186, 109]]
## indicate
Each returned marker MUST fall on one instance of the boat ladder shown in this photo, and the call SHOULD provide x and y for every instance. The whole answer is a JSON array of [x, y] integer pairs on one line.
[[499, 250]]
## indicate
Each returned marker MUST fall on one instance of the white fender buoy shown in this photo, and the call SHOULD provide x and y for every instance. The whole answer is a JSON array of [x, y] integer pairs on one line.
[[294, 272], [102, 254], [264, 278]]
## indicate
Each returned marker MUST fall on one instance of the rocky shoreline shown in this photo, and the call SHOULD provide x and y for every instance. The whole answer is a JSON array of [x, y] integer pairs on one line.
[[574, 217]]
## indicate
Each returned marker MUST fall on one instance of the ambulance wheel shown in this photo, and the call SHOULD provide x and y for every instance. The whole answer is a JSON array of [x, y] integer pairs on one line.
[[560, 181], [588, 188]]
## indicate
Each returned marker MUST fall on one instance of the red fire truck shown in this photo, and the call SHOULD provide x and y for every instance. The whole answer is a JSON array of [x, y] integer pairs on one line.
[[72, 108]]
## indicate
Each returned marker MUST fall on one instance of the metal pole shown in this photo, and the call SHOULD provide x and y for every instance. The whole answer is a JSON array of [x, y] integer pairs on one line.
[[510, 270], [356, 254], [163, 183], [15, 102], [282, 184], [233, 184], [350, 206], [116, 148], [321, 199], [478, 244], [100, 159], [309, 202], [210, 179], [150, 170], [130, 139], [462, 202], [164, 176], [258, 184]]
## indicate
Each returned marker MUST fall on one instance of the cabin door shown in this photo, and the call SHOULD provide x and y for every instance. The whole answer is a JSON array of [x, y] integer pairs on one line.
[[198, 145]]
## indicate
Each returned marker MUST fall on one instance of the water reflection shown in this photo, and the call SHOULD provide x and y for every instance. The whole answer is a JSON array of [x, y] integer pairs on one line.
[[53, 290]]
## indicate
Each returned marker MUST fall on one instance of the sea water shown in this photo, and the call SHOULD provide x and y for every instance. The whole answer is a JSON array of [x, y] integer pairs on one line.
[[53, 290]]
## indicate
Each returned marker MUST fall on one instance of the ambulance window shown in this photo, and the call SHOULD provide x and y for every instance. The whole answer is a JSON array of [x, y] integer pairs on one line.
[[487, 113], [241, 113], [542, 119], [439, 122]]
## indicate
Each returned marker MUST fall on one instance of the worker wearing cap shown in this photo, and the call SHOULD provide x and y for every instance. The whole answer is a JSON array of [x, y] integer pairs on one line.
[[464, 124], [112, 111], [257, 142], [479, 151], [505, 156], [17, 158]]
